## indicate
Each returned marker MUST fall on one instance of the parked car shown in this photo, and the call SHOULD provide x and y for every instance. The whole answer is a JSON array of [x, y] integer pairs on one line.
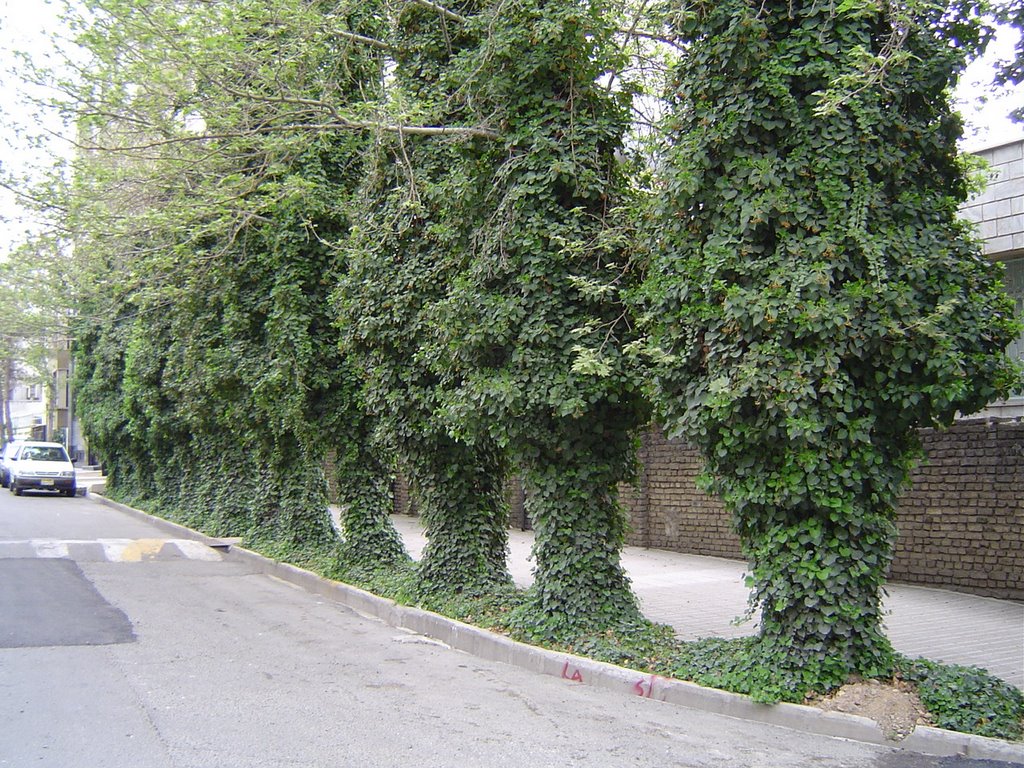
[[5, 457], [42, 467]]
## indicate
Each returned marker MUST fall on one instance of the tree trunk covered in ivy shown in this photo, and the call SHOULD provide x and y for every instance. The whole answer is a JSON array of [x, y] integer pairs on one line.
[[580, 529], [820, 301], [364, 480], [416, 213], [534, 325], [465, 516]]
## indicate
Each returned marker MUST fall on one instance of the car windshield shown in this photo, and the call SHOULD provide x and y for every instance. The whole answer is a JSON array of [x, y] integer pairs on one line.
[[44, 453]]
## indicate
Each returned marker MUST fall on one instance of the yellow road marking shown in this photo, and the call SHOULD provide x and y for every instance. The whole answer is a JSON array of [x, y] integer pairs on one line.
[[140, 548]]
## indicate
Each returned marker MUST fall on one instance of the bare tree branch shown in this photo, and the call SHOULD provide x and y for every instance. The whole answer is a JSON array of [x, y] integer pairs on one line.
[[440, 9], [372, 42], [341, 124], [639, 33]]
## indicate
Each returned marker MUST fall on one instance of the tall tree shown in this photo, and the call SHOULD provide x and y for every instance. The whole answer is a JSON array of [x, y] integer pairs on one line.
[[419, 202], [218, 143], [533, 328], [818, 300]]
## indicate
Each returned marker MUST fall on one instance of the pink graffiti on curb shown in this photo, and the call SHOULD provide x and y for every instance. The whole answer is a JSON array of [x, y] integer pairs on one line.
[[645, 687], [576, 677]]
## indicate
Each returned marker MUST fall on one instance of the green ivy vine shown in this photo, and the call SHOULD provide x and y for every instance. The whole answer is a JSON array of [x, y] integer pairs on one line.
[[406, 236], [815, 299], [533, 328], [411, 231]]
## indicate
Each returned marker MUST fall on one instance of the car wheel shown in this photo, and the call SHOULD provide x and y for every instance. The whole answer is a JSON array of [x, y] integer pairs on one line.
[[15, 489]]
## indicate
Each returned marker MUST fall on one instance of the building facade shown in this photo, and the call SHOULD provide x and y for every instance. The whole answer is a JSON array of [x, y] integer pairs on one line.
[[998, 214]]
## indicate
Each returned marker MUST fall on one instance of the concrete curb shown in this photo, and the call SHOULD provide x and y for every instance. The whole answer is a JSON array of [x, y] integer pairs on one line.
[[494, 647]]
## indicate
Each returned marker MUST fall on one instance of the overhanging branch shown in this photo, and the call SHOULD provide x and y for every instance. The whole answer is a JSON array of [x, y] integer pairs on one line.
[[442, 10], [361, 39], [405, 130]]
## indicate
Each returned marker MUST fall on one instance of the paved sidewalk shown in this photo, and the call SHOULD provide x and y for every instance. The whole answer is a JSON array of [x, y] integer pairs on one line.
[[702, 596]]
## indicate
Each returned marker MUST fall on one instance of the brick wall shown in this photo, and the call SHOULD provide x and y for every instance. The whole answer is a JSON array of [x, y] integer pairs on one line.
[[961, 523], [668, 511]]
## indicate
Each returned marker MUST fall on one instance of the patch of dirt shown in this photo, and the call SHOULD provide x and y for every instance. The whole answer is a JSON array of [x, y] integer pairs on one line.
[[894, 706]]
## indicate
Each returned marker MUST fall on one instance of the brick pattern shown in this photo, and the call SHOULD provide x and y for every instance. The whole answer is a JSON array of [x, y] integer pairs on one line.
[[516, 495], [668, 511], [961, 523], [401, 492]]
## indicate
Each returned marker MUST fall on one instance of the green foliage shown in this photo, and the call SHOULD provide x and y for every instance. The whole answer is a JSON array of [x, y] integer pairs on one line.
[[532, 329], [411, 230], [489, 611], [466, 518], [964, 699], [580, 529], [740, 665], [481, 280], [814, 300], [364, 482], [399, 581], [967, 699], [406, 238], [214, 388]]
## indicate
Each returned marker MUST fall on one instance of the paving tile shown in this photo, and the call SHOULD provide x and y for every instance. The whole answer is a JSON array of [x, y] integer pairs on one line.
[[703, 596]]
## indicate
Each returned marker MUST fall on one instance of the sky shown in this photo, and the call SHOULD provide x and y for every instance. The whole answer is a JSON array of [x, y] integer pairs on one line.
[[986, 114], [24, 25], [28, 24]]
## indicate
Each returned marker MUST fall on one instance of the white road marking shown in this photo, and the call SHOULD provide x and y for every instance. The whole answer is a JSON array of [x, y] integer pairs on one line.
[[50, 548], [114, 550], [196, 550]]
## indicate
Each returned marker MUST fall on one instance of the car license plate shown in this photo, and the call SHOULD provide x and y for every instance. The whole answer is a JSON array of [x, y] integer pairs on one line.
[[46, 483]]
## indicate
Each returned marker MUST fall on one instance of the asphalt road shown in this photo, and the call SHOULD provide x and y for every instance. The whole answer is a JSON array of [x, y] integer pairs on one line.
[[122, 647]]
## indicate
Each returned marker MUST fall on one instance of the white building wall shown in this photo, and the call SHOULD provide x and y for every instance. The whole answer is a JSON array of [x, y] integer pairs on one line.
[[28, 408], [998, 214], [999, 211]]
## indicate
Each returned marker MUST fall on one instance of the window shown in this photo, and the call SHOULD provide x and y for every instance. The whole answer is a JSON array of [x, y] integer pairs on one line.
[[44, 453], [1014, 280]]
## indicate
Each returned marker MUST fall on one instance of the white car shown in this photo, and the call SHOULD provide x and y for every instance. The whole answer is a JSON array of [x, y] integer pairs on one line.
[[10, 449], [41, 467]]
